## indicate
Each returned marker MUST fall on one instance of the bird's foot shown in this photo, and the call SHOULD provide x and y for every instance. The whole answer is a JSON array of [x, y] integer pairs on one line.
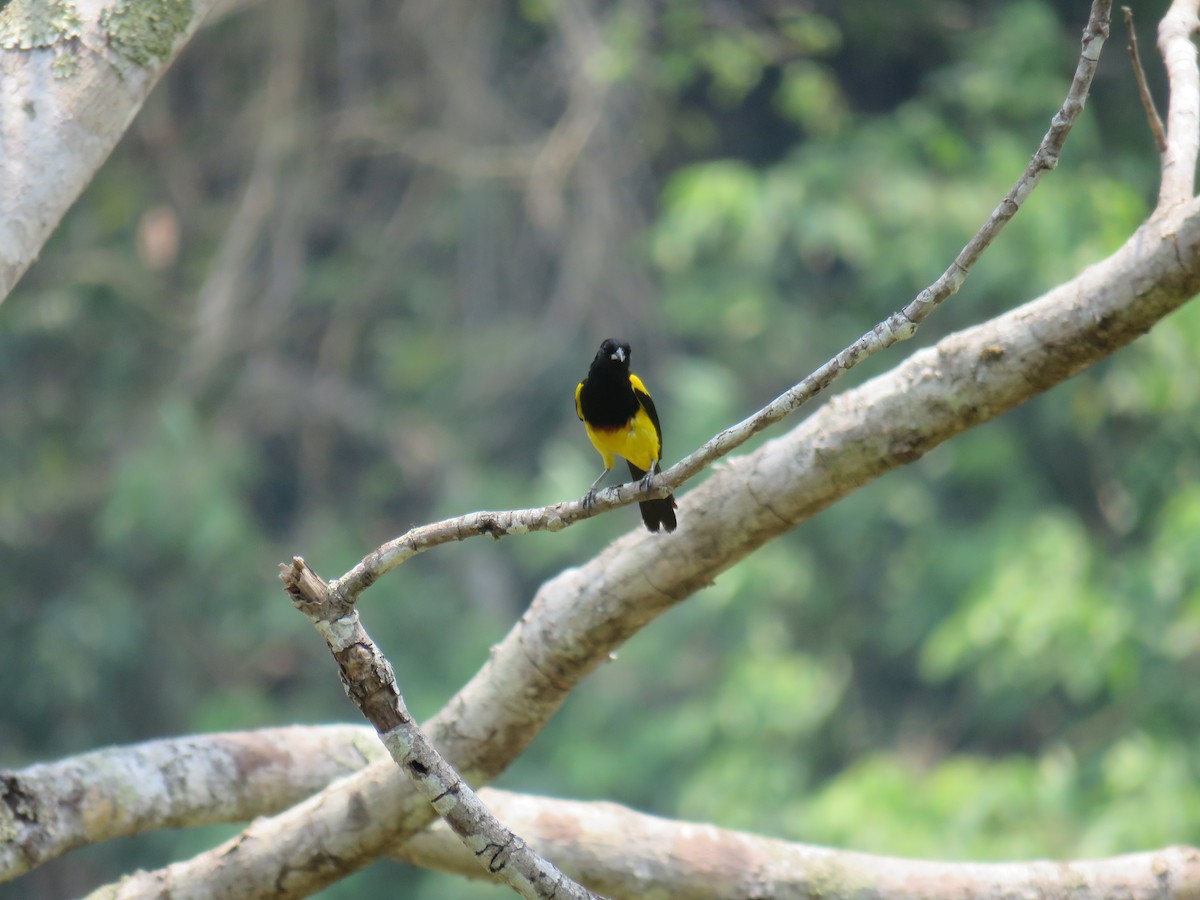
[[589, 499]]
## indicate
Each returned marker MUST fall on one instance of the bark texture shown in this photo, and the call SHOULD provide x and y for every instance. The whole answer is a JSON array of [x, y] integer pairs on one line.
[[627, 854]]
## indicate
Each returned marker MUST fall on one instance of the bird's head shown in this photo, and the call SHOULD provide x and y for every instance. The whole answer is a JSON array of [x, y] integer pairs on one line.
[[612, 353]]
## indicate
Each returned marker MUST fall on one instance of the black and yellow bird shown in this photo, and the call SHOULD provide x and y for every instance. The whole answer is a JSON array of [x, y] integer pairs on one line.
[[621, 421]]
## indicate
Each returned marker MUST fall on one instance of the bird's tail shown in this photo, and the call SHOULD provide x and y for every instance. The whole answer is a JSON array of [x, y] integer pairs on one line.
[[655, 513]]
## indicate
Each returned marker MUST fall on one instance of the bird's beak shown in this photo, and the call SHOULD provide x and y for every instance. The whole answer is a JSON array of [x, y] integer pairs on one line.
[[619, 355]]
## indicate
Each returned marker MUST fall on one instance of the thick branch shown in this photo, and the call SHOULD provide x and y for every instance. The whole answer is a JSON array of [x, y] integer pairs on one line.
[[627, 854], [51, 808], [1183, 112], [370, 682], [85, 799], [65, 101]]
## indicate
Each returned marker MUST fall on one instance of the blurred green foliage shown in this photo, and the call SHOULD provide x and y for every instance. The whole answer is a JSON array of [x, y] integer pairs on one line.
[[991, 654]]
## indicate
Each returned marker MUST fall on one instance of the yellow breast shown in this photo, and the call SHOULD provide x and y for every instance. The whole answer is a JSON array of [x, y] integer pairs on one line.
[[638, 442]]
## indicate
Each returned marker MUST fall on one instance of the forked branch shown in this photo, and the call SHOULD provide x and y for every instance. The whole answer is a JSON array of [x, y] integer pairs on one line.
[[370, 682]]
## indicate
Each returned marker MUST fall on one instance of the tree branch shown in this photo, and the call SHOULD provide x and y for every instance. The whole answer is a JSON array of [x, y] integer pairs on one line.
[[897, 327], [1139, 75], [86, 799], [1183, 111], [48, 809], [65, 101], [627, 854], [370, 682]]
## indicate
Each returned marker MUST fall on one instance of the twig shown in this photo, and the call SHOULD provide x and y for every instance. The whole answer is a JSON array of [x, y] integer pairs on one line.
[[1045, 159], [1139, 74], [1183, 108], [897, 327], [370, 682]]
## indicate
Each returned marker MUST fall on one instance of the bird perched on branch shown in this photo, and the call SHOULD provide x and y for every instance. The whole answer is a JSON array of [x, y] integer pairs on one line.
[[621, 420]]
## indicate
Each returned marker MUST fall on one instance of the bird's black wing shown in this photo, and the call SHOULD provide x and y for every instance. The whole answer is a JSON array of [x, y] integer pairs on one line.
[[643, 397]]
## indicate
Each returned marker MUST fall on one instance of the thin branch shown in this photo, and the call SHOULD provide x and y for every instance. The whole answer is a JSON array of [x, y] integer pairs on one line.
[[1139, 74], [1183, 110], [1044, 160], [370, 682], [897, 327]]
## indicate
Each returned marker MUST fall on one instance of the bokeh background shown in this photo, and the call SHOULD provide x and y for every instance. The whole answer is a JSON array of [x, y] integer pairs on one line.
[[341, 278]]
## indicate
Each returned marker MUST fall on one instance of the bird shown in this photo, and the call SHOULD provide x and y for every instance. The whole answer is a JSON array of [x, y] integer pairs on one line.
[[615, 408]]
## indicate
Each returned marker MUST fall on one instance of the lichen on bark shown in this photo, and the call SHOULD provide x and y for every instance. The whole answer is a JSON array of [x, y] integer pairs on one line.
[[144, 30], [43, 25]]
